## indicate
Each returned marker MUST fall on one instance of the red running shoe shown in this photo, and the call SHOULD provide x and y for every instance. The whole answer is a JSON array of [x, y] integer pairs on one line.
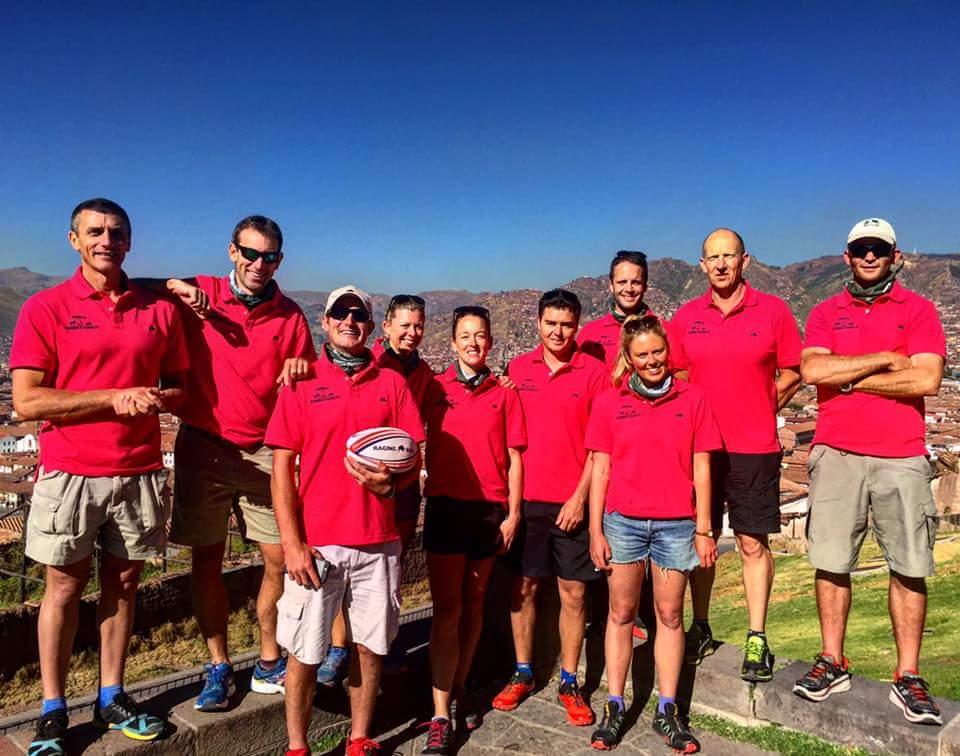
[[640, 631], [578, 709], [519, 687], [362, 747]]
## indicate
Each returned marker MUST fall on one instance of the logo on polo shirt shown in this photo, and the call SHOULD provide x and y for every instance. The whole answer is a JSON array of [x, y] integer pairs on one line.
[[527, 384], [698, 326], [323, 394], [844, 323], [80, 323], [627, 411]]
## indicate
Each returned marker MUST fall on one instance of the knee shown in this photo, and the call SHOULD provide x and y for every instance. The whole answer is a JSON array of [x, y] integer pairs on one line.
[[364, 654], [62, 592], [670, 616], [524, 590], [572, 596], [622, 613], [752, 548], [207, 561], [447, 613]]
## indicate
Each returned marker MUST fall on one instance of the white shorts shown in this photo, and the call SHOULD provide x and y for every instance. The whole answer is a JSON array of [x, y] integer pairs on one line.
[[365, 581]]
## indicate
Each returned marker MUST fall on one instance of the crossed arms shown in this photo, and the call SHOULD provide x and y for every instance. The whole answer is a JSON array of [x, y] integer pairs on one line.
[[882, 373]]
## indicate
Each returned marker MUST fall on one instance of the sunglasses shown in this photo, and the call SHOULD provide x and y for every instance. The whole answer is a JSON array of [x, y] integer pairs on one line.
[[252, 255], [401, 301], [475, 310], [859, 250], [340, 312]]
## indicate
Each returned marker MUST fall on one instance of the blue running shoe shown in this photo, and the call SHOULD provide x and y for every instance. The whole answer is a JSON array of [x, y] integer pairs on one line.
[[334, 667], [51, 731], [269, 681], [218, 689], [125, 715]]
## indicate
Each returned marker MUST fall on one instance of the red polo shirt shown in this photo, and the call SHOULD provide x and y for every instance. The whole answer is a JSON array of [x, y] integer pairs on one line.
[[417, 381], [315, 417], [900, 321], [468, 435], [556, 407], [600, 338], [237, 354], [734, 359], [651, 446], [83, 341]]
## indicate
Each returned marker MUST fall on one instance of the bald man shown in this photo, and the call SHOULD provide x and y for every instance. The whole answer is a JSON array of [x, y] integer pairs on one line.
[[742, 347]]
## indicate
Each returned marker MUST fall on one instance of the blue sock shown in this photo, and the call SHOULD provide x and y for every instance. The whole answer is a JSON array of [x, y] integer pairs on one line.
[[567, 677], [662, 704], [52, 704], [107, 694], [618, 700], [525, 669]]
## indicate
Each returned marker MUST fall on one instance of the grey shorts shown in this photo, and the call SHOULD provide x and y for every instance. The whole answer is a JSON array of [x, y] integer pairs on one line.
[[849, 492], [70, 514]]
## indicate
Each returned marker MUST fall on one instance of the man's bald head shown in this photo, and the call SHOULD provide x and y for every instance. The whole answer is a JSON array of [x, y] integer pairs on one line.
[[727, 238]]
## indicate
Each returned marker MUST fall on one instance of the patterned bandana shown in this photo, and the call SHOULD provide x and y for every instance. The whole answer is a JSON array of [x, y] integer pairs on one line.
[[408, 363], [650, 392], [622, 316], [473, 381], [348, 363], [252, 300], [870, 294]]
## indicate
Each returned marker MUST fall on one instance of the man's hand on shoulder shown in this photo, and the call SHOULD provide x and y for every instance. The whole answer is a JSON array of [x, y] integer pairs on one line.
[[294, 369], [192, 296]]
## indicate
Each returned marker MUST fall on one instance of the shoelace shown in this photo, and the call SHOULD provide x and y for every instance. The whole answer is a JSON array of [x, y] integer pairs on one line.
[[217, 676], [754, 649], [917, 688], [437, 733], [820, 668]]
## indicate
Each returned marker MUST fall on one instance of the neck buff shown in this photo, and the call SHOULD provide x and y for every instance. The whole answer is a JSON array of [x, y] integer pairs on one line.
[[472, 382], [408, 363], [252, 300], [348, 363], [650, 392], [643, 309], [870, 294]]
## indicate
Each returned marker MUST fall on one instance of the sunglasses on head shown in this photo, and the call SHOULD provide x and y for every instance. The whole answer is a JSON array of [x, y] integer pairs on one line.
[[399, 301], [342, 312], [860, 249], [475, 310], [252, 255]]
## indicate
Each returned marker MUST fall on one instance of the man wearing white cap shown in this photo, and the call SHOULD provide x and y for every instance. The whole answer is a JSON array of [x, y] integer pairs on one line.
[[874, 351], [337, 527]]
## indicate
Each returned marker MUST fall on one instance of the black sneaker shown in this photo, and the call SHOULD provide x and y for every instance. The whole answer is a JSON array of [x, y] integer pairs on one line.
[[607, 735], [439, 735], [674, 730], [465, 710], [125, 715], [51, 732], [699, 643], [911, 695], [757, 660], [824, 678]]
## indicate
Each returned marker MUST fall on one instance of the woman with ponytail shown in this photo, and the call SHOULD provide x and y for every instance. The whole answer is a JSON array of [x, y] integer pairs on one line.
[[651, 436]]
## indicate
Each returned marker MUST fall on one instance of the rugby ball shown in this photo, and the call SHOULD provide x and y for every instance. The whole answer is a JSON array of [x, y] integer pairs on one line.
[[391, 446]]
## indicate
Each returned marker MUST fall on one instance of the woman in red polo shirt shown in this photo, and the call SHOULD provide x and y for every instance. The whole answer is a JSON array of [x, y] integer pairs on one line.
[[474, 488], [651, 437]]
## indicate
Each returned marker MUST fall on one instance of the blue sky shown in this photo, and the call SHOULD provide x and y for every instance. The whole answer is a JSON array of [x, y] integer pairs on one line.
[[487, 146]]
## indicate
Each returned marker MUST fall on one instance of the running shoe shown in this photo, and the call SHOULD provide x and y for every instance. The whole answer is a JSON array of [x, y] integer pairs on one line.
[[824, 678], [640, 632], [335, 667], [439, 737], [362, 747], [51, 733], [465, 711], [674, 730], [910, 694], [699, 643], [607, 736], [518, 688], [578, 708], [298, 752], [757, 660], [218, 688], [271, 680], [125, 715]]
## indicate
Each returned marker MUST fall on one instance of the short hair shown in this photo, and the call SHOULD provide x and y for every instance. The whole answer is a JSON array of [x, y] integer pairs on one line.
[[561, 299], [703, 246], [467, 311], [630, 256], [262, 224], [99, 205], [405, 302], [635, 325]]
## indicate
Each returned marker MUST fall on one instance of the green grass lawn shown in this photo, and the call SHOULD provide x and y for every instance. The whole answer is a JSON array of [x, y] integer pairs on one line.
[[794, 632]]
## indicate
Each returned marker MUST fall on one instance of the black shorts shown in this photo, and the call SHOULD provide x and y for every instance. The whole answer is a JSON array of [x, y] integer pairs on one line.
[[407, 503], [541, 549], [750, 486], [457, 526]]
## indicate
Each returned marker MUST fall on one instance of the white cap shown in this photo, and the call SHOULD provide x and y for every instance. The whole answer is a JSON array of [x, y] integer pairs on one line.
[[872, 228], [349, 290]]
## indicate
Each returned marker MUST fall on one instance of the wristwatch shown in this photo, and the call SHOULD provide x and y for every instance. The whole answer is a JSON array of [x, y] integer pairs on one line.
[[846, 388], [704, 533]]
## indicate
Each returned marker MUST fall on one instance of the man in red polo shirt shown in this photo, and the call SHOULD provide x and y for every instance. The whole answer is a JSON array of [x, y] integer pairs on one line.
[[742, 348], [874, 351], [340, 518], [248, 330], [600, 338], [557, 384], [97, 358]]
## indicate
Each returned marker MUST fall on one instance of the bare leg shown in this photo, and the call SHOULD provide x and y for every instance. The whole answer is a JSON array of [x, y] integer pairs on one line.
[[364, 683], [624, 585], [908, 612], [523, 617], [299, 688], [701, 587], [757, 576], [209, 595], [668, 589], [833, 606], [573, 622], [271, 588], [338, 635], [118, 599], [475, 579], [57, 624], [446, 586]]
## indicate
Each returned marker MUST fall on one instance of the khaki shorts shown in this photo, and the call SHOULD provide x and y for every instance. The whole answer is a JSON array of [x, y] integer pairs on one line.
[[364, 580], [70, 514], [845, 488], [213, 478]]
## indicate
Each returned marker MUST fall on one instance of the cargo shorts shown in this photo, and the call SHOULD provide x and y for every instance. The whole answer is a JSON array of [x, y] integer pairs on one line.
[[851, 492], [69, 514]]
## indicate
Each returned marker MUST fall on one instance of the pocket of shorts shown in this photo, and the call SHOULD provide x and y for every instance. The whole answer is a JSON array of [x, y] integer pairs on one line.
[[816, 454], [153, 507], [49, 512], [291, 609]]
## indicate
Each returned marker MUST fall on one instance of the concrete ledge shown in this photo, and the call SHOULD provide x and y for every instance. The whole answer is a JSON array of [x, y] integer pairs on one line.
[[950, 737]]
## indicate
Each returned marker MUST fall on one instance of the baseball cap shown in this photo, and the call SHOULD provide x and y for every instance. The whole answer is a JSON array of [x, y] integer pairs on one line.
[[872, 228], [349, 290]]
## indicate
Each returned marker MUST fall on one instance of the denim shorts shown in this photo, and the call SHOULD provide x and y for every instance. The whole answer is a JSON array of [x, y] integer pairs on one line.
[[668, 543]]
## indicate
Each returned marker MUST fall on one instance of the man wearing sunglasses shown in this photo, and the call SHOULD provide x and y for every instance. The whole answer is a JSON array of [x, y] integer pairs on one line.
[[247, 335], [874, 351]]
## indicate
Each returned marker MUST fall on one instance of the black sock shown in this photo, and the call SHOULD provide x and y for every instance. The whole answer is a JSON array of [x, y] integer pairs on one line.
[[759, 633], [704, 625]]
